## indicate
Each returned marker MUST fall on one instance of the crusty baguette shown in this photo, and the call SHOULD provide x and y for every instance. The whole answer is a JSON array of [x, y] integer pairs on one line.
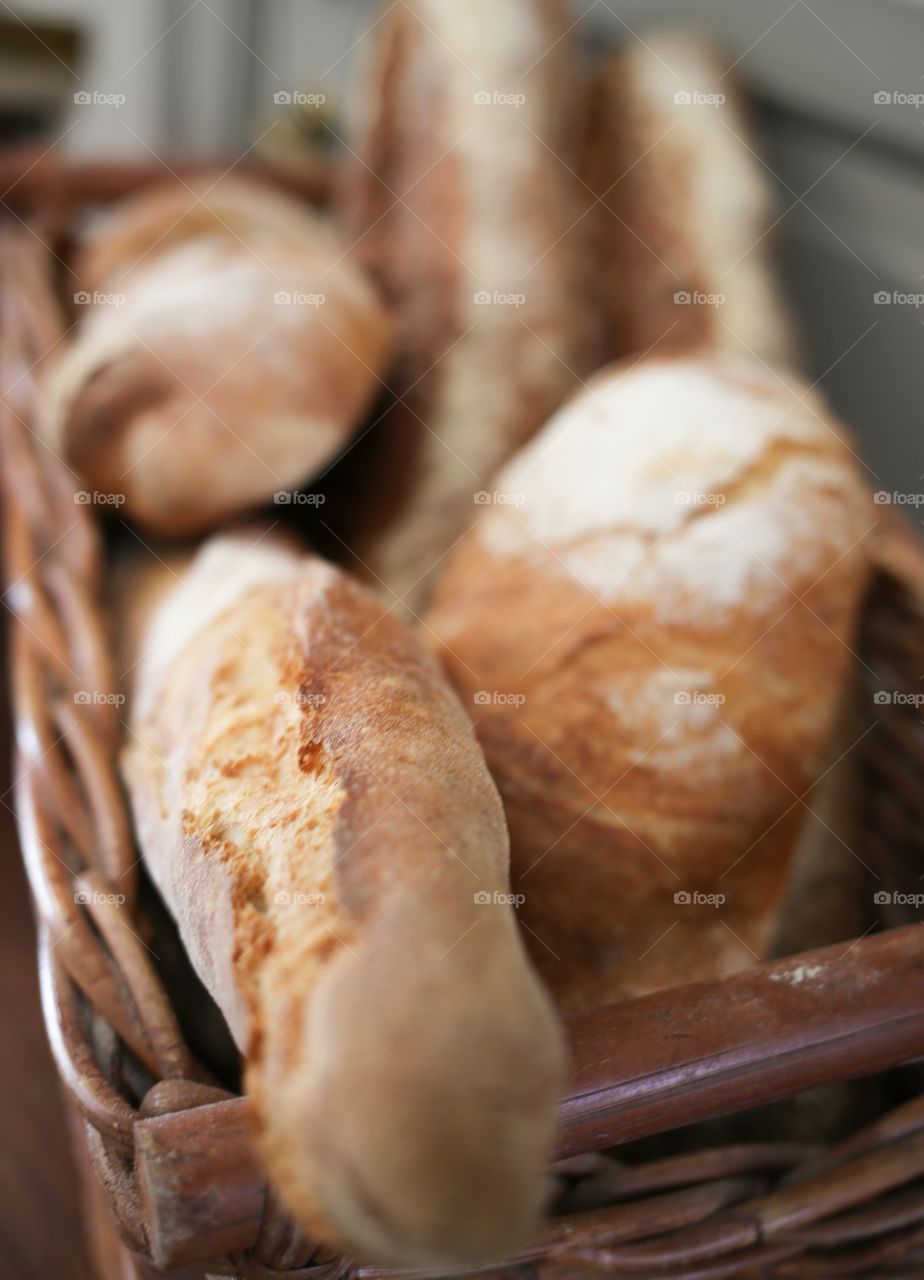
[[216, 373], [464, 203], [653, 634], [313, 805], [683, 227]]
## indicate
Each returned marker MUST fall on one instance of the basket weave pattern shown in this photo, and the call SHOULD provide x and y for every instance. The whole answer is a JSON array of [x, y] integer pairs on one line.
[[767, 1209]]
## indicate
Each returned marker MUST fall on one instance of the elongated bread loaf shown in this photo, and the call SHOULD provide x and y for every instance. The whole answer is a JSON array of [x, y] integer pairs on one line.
[[216, 372], [653, 633], [686, 208], [464, 204], [313, 805]]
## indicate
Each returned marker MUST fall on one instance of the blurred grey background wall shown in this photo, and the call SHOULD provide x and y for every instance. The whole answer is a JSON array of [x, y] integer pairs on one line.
[[838, 87]]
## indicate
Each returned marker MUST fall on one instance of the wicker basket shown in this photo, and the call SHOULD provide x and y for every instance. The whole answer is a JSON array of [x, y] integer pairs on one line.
[[166, 1148]]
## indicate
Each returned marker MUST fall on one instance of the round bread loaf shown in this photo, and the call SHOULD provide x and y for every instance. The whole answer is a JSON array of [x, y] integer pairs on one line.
[[651, 623]]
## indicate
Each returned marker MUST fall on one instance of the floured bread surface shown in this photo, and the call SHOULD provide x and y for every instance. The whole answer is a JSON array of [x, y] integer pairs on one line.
[[207, 667], [221, 373], [700, 488], [313, 806], [685, 223], [654, 629]]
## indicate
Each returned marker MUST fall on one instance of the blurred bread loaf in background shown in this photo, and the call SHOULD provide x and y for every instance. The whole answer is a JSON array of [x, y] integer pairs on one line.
[[219, 368], [653, 633], [313, 805], [683, 252], [164, 215], [464, 203]]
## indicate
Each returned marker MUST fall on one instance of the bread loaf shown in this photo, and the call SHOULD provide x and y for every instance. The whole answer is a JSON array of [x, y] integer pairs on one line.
[[215, 374], [653, 631], [685, 210], [463, 202], [312, 803]]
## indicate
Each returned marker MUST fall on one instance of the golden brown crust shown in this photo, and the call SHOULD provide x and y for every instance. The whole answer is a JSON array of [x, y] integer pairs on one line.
[[685, 208], [654, 683], [313, 805], [222, 374], [464, 205]]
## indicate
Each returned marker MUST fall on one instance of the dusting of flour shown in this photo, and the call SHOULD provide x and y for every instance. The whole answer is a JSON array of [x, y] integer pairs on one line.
[[801, 973], [631, 489], [678, 721]]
